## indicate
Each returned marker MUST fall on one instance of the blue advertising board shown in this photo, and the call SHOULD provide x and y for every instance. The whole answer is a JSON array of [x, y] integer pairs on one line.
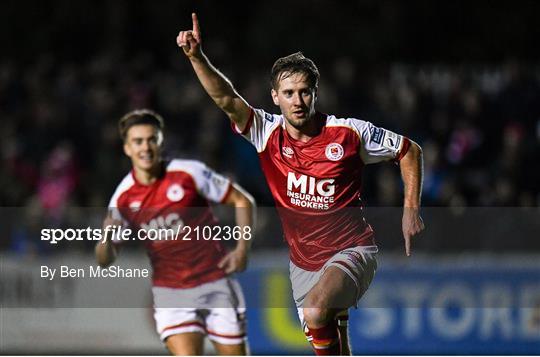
[[420, 309]]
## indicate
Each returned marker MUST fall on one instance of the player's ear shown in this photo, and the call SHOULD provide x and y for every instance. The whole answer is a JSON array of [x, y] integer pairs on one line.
[[127, 149], [275, 97], [160, 138]]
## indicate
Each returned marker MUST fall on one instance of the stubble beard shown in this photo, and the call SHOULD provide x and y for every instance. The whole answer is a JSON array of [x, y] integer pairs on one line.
[[300, 123]]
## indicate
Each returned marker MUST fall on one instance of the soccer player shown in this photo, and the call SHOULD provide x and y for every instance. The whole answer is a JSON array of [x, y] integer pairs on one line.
[[194, 294], [313, 164]]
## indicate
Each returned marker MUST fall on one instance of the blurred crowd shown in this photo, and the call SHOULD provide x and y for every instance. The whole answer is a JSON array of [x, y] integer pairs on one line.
[[62, 92], [479, 127]]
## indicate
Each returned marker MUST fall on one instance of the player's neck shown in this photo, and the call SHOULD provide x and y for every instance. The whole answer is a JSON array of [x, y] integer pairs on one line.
[[307, 132], [147, 177]]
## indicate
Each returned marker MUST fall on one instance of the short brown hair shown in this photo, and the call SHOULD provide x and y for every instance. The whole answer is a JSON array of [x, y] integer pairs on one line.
[[292, 64], [139, 116]]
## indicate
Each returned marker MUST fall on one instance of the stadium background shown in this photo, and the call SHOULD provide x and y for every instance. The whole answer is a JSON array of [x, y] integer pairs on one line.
[[461, 78]]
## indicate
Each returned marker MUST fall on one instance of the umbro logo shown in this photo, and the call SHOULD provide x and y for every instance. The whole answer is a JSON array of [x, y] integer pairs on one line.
[[287, 152]]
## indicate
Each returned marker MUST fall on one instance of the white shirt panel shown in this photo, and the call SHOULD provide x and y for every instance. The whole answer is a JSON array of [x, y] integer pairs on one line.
[[210, 184], [262, 125], [126, 183], [377, 144]]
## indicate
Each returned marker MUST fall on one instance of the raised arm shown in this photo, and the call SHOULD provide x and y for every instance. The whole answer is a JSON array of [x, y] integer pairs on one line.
[[412, 173], [214, 82], [244, 204]]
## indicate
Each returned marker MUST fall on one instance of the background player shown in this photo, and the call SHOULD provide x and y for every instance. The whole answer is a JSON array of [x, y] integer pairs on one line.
[[193, 294]]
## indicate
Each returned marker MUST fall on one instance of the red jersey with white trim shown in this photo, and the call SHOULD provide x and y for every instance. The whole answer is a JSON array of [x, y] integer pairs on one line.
[[178, 198], [317, 185]]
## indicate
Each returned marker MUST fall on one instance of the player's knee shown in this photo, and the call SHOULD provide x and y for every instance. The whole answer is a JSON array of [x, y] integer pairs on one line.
[[230, 350], [186, 344], [317, 317]]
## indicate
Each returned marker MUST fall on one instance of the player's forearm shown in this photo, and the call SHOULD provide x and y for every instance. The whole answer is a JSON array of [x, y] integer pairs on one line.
[[245, 208], [105, 253], [245, 219], [412, 173], [221, 90]]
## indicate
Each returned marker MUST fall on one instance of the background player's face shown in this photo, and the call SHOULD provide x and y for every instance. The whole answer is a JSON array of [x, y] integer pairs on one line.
[[143, 146], [296, 99]]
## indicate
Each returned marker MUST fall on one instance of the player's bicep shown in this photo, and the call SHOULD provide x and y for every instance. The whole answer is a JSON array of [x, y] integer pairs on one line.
[[238, 111], [238, 197]]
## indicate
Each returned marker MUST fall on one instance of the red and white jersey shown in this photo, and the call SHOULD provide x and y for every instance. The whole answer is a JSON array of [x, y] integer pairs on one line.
[[317, 185], [178, 198]]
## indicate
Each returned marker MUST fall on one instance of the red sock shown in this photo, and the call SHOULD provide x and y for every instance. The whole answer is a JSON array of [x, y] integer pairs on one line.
[[308, 335], [326, 340]]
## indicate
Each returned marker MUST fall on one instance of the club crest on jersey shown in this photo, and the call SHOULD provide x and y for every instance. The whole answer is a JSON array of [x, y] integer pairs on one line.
[[287, 152], [135, 206], [175, 192], [334, 151]]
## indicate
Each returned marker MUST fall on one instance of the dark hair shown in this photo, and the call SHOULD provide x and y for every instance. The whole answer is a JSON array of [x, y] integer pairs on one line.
[[139, 116], [292, 64]]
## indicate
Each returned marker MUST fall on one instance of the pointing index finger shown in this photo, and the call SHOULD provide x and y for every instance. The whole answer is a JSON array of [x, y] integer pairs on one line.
[[196, 30], [408, 245]]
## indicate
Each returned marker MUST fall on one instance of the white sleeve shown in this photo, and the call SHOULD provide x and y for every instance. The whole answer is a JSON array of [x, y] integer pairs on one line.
[[378, 144], [259, 127], [115, 212], [211, 185], [116, 215]]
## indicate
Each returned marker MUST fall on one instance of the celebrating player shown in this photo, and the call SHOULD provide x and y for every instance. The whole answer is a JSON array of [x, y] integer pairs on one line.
[[313, 164], [193, 293]]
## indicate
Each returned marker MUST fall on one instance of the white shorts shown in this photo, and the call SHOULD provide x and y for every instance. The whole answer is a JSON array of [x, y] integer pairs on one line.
[[358, 263], [216, 309]]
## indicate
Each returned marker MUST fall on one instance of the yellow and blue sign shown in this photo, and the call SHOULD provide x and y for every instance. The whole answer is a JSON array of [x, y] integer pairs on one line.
[[423, 309]]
